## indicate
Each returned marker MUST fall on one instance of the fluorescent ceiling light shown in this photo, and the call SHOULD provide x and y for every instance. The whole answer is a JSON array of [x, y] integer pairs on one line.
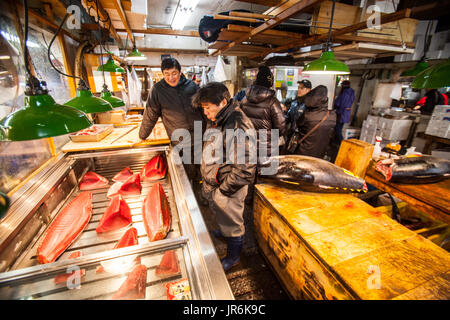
[[184, 10], [5, 57]]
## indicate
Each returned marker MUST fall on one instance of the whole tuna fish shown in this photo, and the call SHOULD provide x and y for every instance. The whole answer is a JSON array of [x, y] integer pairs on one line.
[[313, 174], [423, 169]]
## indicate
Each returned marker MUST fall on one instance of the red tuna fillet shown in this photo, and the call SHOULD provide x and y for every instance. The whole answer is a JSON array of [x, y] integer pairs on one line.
[[92, 180], [62, 278], [156, 213], [155, 169], [129, 238], [134, 286], [123, 175], [168, 265], [67, 226], [132, 186], [116, 216]]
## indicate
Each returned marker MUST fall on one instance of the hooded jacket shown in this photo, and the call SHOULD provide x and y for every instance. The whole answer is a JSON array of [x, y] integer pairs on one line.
[[216, 173], [173, 105], [264, 111], [316, 144]]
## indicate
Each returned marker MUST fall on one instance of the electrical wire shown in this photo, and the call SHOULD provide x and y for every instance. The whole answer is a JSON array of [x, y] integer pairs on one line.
[[25, 33], [331, 26]]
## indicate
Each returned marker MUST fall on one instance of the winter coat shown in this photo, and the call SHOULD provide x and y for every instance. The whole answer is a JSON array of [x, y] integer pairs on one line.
[[216, 173], [316, 144], [264, 110], [173, 105], [343, 104]]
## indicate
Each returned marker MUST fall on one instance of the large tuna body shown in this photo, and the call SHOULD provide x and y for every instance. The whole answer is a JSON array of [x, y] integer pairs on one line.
[[424, 169], [156, 213], [313, 174]]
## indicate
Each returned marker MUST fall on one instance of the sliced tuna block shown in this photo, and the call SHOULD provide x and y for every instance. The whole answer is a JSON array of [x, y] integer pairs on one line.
[[66, 227], [132, 186], [168, 265], [92, 180], [129, 238], [155, 169], [123, 175], [116, 216], [134, 286], [156, 213]]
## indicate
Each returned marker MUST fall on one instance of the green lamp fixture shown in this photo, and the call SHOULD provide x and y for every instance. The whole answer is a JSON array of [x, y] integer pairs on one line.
[[114, 101], [437, 76], [87, 102], [110, 66], [41, 117], [136, 55], [327, 63], [419, 67]]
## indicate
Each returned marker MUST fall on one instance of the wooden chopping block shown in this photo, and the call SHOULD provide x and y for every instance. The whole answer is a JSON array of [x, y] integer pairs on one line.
[[354, 155]]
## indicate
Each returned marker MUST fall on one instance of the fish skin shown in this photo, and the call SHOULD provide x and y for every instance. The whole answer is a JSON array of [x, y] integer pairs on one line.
[[314, 175], [134, 285], [156, 213], [117, 215], [92, 180], [155, 169], [414, 170], [66, 227]]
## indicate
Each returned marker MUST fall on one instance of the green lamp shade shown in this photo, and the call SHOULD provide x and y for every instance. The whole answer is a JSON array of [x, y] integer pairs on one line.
[[136, 55], [326, 64], [420, 66], [42, 117], [114, 101], [110, 66], [437, 76], [88, 103]]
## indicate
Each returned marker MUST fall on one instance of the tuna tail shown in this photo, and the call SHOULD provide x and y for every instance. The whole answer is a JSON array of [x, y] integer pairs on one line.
[[395, 210]]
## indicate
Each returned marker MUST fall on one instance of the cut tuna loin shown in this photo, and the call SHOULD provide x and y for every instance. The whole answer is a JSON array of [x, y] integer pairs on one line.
[[134, 286], [155, 169], [123, 175], [62, 278], [116, 216], [66, 227], [132, 186], [156, 213], [129, 238], [92, 180], [168, 265]]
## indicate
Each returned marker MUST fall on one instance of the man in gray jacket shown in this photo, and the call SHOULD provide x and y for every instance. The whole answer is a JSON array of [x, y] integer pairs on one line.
[[227, 168], [170, 99]]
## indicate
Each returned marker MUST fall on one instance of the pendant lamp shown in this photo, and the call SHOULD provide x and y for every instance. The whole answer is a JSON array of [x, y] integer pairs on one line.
[[114, 101], [87, 102], [136, 55], [435, 77], [327, 63], [419, 67], [110, 66]]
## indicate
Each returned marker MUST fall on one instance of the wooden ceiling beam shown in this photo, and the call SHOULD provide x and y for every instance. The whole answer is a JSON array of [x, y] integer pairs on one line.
[[269, 3], [168, 32], [269, 24], [123, 18], [250, 15], [349, 37]]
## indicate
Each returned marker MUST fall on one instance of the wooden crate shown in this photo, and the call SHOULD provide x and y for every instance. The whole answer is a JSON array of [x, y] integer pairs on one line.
[[94, 137], [354, 155], [335, 246]]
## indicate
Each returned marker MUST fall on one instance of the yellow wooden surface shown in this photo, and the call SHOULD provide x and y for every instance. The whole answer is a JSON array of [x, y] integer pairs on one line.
[[350, 238], [354, 155]]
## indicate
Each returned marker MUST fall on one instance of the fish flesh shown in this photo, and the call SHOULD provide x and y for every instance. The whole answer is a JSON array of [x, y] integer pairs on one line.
[[123, 175], [312, 174], [92, 180], [168, 265], [66, 227], [117, 215], [156, 213], [155, 169], [414, 170], [62, 278], [134, 286], [129, 238], [131, 186]]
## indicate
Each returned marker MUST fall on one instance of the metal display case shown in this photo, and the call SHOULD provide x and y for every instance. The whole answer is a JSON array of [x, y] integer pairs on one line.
[[100, 271]]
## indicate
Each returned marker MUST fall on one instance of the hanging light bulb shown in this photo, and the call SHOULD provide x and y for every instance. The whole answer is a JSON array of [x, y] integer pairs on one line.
[[110, 66], [135, 55], [114, 101], [87, 102], [435, 77], [327, 63]]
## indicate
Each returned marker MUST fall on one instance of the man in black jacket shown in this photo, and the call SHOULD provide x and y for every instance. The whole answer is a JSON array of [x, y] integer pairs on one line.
[[227, 167], [170, 99]]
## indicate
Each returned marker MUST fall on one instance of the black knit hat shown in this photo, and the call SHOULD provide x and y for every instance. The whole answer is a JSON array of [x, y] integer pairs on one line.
[[264, 77]]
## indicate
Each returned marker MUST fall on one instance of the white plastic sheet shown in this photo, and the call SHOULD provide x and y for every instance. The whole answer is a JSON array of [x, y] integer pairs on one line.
[[219, 71]]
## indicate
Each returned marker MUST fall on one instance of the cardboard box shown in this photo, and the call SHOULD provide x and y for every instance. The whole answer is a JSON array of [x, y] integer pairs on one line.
[[107, 129], [111, 117]]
